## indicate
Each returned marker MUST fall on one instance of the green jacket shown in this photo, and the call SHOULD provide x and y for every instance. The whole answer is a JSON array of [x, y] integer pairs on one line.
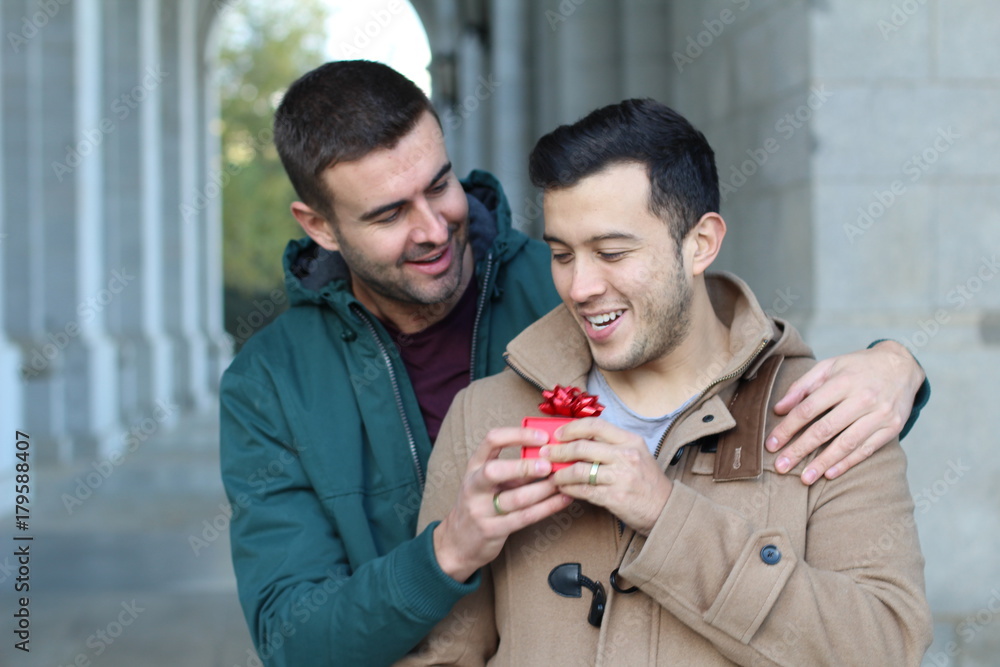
[[324, 450]]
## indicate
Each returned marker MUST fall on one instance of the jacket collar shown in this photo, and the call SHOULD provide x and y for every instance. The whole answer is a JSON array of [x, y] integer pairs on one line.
[[554, 350]]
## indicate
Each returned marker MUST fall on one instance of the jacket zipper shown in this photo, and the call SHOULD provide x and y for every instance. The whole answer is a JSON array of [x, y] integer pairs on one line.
[[396, 392], [735, 374], [520, 373], [725, 378], [479, 312]]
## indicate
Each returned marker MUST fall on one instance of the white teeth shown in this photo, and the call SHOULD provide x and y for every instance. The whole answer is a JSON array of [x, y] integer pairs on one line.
[[603, 320], [430, 260]]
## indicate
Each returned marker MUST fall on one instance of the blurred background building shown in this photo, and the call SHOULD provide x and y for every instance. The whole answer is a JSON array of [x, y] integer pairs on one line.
[[857, 149]]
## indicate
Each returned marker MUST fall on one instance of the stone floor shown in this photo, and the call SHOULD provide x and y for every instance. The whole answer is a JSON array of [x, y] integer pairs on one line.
[[115, 581]]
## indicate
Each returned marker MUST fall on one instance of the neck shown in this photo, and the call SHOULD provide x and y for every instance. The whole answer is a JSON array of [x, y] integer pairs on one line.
[[661, 386], [411, 318]]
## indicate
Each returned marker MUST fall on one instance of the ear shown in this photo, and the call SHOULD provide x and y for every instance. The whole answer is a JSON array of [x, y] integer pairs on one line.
[[315, 225], [704, 242]]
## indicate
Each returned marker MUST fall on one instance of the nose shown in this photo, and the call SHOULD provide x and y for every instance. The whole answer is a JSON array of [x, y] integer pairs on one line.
[[587, 281], [430, 227]]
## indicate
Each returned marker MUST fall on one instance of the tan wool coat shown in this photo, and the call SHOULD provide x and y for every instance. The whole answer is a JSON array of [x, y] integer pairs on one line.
[[845, 585]]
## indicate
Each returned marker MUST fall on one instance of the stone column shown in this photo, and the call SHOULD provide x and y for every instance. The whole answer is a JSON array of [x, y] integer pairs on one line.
[[646, 69], [91, 372], [157, 357], [39, 250], [187, 216], [510, 55], [209, 240], [587, 56], [10, 357]]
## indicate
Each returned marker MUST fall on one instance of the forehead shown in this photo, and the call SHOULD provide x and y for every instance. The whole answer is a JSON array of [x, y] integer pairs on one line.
[[614, 200], [389, 174]]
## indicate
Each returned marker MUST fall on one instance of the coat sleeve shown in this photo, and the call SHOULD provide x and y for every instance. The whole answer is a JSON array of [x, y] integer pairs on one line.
[[855, 595], [304, 603], [468, 635]]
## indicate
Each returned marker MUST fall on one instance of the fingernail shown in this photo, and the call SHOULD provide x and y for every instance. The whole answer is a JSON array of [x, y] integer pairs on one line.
[[771, 444], [541, 437], [783, 464], [544, 452], [832, 472], [541, 466], [809, 476]]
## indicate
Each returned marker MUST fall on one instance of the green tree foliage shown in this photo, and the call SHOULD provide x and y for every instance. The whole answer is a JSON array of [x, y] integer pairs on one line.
[[264, 45]]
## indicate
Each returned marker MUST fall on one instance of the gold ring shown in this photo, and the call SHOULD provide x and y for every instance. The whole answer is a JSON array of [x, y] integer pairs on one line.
[[593, 473], [496, 505]]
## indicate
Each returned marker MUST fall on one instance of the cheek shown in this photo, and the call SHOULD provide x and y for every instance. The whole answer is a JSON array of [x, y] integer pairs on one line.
[[455, 208], [562, 278]]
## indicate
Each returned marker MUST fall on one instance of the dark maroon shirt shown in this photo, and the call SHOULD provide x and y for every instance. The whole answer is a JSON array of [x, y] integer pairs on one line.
[[438, 359]]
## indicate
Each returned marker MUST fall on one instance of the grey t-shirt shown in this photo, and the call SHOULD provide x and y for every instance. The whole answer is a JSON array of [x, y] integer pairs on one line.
[[650, 428]]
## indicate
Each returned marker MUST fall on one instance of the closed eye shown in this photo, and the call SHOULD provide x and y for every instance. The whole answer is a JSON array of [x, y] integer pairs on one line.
[[392, 217]]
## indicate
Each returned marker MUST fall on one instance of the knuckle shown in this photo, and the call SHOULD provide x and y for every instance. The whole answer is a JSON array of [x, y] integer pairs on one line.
[[895, 422], [631, 456], [824, 430], [807, 410], [868, 399]]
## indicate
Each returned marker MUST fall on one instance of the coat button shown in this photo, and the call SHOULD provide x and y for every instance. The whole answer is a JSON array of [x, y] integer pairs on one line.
[[708, 418], [348, 335], [770, 554]]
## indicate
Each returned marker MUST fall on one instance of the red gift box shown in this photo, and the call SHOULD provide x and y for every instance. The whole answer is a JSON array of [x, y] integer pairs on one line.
[[569, 402], [549, 425]]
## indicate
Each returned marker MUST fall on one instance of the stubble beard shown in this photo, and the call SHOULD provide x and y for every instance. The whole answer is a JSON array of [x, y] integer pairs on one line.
[[397, 290], [657, 341]]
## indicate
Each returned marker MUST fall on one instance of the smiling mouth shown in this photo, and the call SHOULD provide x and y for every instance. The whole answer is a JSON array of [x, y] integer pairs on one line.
[[431, 259], [604, 319]]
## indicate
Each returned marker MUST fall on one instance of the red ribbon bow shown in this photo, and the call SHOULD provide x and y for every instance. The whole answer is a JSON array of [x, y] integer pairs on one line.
[[569, 402]]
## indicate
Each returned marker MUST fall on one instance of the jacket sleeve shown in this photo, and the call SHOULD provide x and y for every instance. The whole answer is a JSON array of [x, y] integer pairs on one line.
[[854, 596], [304, 603], [919, 401], [468, 636]]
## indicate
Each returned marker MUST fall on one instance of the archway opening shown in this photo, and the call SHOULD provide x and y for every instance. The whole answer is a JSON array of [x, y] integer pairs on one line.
[[261, 46]]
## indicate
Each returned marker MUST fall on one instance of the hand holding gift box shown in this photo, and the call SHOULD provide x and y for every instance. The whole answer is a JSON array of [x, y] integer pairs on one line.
[[569, 402]]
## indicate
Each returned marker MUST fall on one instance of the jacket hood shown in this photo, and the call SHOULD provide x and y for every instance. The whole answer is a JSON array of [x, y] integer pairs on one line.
[[314, 275], [555, 351]]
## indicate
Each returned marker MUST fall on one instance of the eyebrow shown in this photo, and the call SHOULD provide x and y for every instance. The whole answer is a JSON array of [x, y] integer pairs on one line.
[[381, 210], [610, 236]]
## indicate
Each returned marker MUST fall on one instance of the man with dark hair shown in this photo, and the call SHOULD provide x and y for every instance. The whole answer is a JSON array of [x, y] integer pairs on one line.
[[410, 284], [697, 551]]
